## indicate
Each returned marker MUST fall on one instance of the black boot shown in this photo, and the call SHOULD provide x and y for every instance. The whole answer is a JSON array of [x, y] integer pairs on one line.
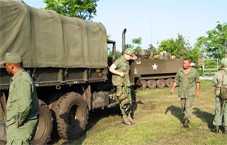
[[215, 130], [186, 123]]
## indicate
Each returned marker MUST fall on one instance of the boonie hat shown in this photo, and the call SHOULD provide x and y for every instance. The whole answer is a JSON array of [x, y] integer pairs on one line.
[[11, 58], [224, 62]]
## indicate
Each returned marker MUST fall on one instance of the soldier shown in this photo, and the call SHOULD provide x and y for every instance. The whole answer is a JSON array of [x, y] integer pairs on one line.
[[220, 105], [120, 69], [22, 103], [187, 78], [152, 50]]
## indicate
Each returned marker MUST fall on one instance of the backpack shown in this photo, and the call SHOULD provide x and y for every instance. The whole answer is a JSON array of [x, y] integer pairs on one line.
[[223, 89]]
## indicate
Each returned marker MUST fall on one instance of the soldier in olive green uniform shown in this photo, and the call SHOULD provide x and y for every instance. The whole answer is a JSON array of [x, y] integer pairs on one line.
[[22, 103], [220, 104], [120, 69], [187, 78]]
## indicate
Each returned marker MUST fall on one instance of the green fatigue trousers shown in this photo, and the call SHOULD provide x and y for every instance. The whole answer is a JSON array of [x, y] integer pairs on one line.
[[220, 111], [22, 135], [123, 97], [186, 105]]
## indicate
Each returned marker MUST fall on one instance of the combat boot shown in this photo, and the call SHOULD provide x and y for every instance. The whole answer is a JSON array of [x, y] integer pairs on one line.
[[215, 130], [125, 120], [130, 118], [186, 123]]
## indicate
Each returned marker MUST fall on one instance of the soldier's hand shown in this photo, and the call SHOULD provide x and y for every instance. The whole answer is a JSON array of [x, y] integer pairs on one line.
[[171, 91], [122, 74], [197, 94], [16, 126]]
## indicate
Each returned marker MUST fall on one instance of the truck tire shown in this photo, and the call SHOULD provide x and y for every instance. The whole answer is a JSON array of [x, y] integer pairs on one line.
[[72, 115], [44, 127], [152, 84]]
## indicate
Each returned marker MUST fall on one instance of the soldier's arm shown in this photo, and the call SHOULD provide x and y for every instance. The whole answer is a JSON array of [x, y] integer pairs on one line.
[[217, 80], [114, 71], [23, 89], [172, 89], [176, 82], [197, 85], [197, 89]]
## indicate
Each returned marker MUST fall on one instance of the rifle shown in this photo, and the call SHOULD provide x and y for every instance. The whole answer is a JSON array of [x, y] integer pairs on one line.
[[133, 94]]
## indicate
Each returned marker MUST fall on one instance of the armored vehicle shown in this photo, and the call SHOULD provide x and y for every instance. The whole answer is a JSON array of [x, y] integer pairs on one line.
[[67, 59], [159, 72]]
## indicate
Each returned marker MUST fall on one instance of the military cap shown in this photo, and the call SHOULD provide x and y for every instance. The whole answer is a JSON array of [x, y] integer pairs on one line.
[[11, 58], [224, 62], [130, 52]]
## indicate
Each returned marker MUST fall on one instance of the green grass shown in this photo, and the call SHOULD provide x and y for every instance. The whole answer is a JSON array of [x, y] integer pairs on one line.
[[158, 122]]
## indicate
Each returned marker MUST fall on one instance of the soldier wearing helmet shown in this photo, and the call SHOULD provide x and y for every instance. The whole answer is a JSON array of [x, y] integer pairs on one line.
[[120, 70]]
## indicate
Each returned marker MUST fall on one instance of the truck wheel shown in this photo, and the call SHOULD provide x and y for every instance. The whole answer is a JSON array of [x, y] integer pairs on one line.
[[161, 83], [72, 115], [169, 82], [44, 127], [152, 84]]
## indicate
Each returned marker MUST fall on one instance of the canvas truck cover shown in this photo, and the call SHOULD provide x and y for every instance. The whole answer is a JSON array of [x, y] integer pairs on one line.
[[45, 38]]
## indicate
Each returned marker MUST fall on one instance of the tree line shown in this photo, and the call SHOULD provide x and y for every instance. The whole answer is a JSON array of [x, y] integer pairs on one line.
[[213, 45]]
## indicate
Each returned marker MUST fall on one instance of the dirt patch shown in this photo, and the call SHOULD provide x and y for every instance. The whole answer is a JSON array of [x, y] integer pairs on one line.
[[148, 104]]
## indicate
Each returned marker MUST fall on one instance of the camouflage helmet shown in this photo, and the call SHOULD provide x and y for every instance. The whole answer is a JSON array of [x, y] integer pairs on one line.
[[129, 51], [224, 62]]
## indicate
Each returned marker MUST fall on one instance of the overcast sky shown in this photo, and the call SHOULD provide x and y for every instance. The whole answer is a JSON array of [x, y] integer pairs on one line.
[[156, 20]]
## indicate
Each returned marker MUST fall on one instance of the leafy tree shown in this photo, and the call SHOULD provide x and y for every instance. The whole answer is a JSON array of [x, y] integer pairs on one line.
[[174, 46], [180, 48], [194, 54], [214, 45], [136, 44], [85, 9]]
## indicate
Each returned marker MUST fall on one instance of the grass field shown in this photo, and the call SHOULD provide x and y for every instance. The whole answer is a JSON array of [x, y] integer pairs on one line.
[[158, 122]]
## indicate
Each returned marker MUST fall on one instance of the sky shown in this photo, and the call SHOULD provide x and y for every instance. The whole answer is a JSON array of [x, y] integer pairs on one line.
[[156, 20]]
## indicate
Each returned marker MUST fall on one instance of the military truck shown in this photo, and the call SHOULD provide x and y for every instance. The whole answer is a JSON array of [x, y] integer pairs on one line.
[[155, 72], [67, 59]]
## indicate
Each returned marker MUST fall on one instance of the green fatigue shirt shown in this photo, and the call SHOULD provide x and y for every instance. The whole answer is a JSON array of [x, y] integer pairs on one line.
[[217, 82], [22, 104], [187, 82], [122, 65]]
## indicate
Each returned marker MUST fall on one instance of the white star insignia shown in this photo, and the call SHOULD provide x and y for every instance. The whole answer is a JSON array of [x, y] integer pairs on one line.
[[155, 66]]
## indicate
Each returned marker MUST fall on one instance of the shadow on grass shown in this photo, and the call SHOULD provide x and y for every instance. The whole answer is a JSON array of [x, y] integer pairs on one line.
[[204, 116], [175, 111], [98, 114]]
